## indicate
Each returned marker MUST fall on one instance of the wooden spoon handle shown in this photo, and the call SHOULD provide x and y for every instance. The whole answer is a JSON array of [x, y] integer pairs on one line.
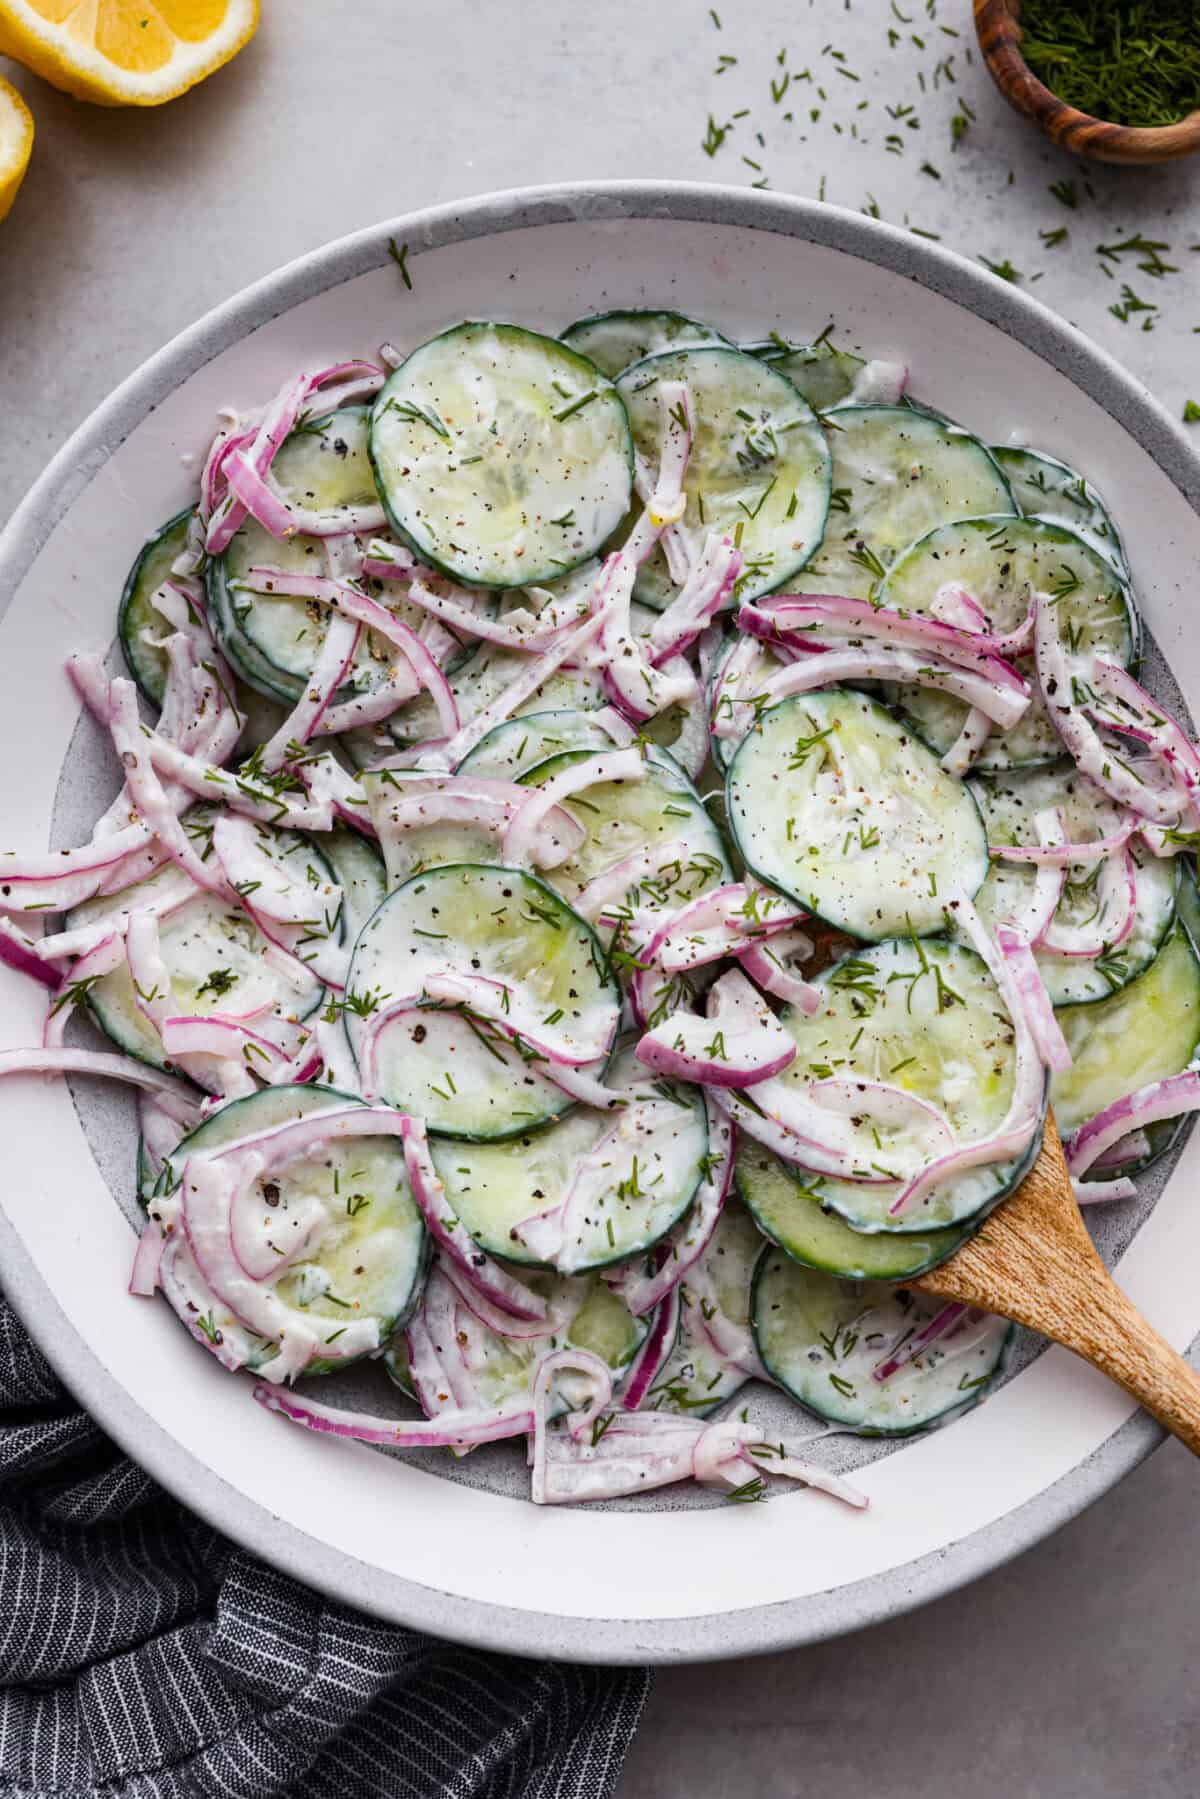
[[1111, 1333]]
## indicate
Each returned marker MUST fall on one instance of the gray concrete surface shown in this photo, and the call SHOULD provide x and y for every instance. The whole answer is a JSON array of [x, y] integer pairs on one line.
[[1072, 1672]]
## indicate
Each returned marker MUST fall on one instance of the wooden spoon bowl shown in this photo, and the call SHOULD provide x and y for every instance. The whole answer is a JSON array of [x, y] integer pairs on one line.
[[997, 23], [1033, 1260]]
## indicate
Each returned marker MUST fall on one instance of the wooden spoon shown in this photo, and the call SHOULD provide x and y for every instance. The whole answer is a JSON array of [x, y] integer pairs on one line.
[[1033, 1260]]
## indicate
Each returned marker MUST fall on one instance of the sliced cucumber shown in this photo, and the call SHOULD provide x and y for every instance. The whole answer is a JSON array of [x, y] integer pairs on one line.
[[519, 744], [501, 456], [359, 872], [371, 1256], [1000, 561], [139, 626], [832, 800], [791, 1210], [614, 340], [697, 1378], [621, 817], [1144, 1033], [897, 474], [822, 1338], [242, 1118], [759, 466], [926, 1017], [1009, 805], [1187, 897], [216, 957], [1044, 487], [495, 1186], [503, 1367], [823, 374], [273, 640], [502, 924]]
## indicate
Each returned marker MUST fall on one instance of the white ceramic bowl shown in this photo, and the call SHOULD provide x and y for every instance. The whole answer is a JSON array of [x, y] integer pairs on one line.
[[634, 1584]]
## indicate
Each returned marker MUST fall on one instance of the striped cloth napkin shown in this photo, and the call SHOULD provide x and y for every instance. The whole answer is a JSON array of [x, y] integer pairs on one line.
[[143, 1655]]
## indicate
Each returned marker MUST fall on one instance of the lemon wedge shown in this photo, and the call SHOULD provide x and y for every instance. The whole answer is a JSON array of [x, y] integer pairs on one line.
[[16, 142], [125, 52]]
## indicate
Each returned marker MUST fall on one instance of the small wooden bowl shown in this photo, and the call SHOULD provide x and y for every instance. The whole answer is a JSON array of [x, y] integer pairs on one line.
[[998, 24]]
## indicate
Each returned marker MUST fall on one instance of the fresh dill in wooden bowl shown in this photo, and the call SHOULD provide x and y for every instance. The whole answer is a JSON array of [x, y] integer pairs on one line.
[[1117, 80]]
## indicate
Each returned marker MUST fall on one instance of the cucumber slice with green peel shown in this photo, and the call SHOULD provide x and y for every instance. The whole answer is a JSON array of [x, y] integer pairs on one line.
[[897, 474], [824, 374], [273, 640], [139, 625], [1187, 898], [276, 637], [821, 1338], [517, 746], [925, 1016], [501, 456], [789, 1207], [615, 340], [359, 871], [324, 465], [999, 561], [1009, 804], [496, 1186], [502, 1368], [1146, 1032], [622, 817], [429, 846], [758, 470], [1046, 488], [697, 1378], [239, 1119], [216, 957], [835, 802], [508, 927], [370, 1258], [248, 664]]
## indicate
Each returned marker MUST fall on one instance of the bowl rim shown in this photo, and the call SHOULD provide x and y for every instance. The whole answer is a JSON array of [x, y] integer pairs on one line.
[[714, 1636]]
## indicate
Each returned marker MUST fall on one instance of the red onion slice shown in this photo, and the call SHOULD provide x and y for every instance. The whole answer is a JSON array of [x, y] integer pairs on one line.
[[451, 1430], [1092, 756], [1091, 1193], [529, 821], [1047, 1032], [654, 1353], [812, 621], [540, 668], [1014, 1135], [708, 588], [1002, 702], [1169, 1098], [911, 1346], [1115, 916], [686, 1048], [143, 1277], [766, 964], [496, 1285], [171, 1094]]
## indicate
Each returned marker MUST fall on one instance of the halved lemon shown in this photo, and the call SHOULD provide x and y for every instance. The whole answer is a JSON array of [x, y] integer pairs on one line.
[[16, 142], [125, 52]]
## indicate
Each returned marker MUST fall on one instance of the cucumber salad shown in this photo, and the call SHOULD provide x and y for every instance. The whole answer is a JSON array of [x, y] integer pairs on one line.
[[622, 839]]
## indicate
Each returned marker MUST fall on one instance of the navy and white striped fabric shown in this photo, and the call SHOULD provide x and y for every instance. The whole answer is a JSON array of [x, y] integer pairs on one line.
[[142, 1655]]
